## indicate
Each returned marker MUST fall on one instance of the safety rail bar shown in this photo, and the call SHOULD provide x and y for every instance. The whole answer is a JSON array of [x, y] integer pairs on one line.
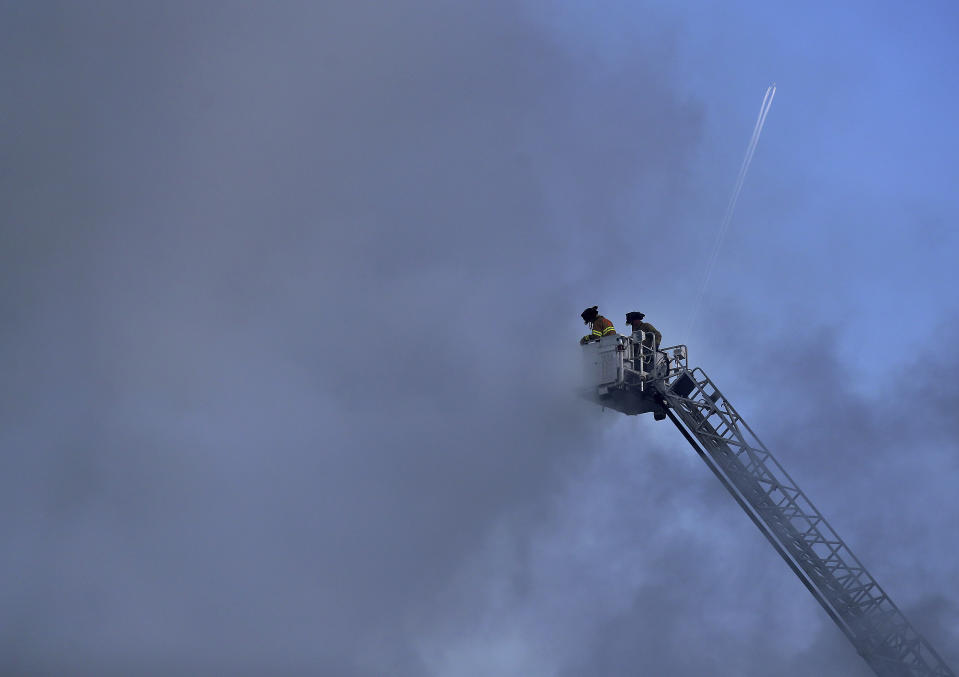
[[674, 356]]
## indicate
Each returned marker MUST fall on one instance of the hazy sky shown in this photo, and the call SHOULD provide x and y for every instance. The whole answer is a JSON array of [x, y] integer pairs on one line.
[[290, 300]]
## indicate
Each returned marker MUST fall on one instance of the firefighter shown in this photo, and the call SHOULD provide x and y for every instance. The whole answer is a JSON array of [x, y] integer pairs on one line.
[[651, 338], [635, 320], [599, 325]]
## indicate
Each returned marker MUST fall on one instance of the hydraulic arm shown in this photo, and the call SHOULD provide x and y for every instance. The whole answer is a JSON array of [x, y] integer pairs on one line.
[[661, 382]]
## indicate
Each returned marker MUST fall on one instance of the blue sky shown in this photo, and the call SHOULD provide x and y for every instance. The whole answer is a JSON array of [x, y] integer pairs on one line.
[[854, 170]]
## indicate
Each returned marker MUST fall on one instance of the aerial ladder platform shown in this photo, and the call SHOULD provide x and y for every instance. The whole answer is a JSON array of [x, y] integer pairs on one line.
[[631, 375]]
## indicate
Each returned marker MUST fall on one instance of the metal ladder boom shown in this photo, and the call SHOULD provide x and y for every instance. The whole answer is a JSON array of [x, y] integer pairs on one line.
[[797, 530]]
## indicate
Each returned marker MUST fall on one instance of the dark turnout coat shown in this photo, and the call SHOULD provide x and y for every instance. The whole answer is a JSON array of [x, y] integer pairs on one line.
[[649, 329]]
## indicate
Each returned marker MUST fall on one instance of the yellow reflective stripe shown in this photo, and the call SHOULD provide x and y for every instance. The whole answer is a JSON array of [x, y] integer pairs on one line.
[[608, 330], [596, 332]]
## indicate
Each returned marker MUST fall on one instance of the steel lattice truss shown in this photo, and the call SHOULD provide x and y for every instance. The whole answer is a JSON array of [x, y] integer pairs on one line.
[[835, 577]]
